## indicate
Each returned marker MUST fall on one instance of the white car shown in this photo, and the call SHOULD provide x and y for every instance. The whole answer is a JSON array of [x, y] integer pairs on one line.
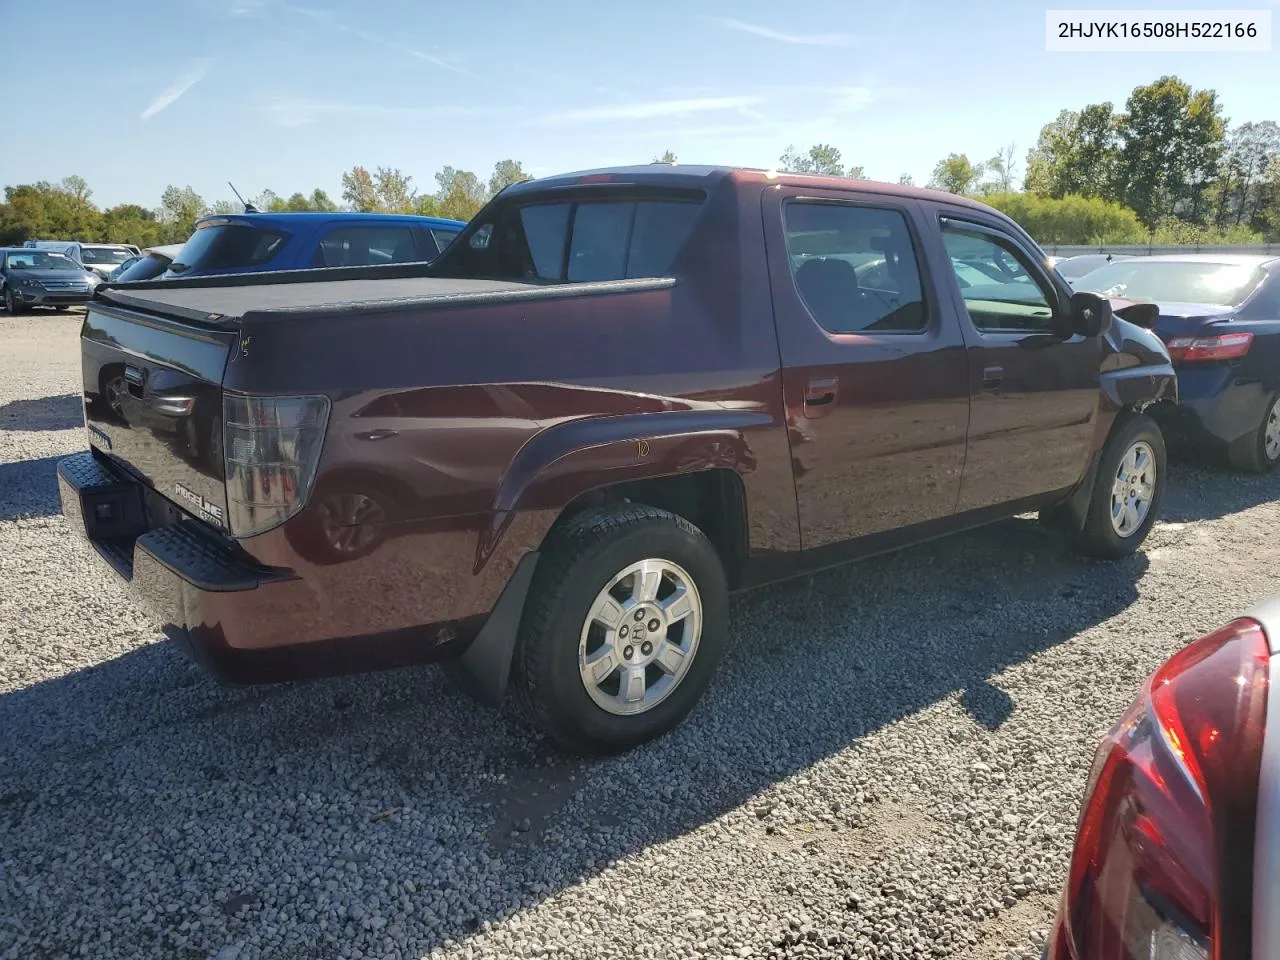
[[99, 258], [103, 258]]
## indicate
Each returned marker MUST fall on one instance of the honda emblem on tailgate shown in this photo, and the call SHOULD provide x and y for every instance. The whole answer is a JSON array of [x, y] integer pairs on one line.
[[211, 510]]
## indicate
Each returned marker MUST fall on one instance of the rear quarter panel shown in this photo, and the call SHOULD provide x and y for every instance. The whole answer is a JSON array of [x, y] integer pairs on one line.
[[478, 423]]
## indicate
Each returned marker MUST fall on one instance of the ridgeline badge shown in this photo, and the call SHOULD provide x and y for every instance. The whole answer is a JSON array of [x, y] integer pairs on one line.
[[205, 507]]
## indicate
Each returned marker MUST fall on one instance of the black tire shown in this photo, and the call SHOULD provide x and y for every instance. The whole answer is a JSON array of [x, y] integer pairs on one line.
[[1099, 537], [11, 306], [1249, 453], [577, 563]]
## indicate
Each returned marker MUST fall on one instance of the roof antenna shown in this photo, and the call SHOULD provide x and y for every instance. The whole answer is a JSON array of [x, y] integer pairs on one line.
[[248, 207]]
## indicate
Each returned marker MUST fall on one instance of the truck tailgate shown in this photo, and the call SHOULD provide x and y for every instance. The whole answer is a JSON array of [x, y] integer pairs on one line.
[[153, 403]]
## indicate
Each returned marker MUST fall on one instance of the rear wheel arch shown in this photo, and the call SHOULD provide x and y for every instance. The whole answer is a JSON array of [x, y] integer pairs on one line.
[[714, 501]]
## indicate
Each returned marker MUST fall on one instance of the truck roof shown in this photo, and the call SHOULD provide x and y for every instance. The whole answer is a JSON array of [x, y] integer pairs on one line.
[[693, 175]]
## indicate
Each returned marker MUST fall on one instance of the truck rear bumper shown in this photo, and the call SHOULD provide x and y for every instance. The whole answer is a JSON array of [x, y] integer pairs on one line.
[[172, 568], [229, 614]]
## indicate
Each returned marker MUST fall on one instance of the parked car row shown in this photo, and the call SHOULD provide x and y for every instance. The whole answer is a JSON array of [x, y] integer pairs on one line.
[[246, 243]]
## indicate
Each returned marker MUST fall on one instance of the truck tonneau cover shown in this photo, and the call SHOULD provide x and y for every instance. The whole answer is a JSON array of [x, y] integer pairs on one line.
[[207, 300], [221, 301]]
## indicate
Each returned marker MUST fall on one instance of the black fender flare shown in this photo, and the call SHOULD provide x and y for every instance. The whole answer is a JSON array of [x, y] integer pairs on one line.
[[570, 459]]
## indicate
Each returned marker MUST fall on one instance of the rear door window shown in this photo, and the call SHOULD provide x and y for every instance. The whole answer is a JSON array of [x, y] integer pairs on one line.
[[360, 246], [855, 267]]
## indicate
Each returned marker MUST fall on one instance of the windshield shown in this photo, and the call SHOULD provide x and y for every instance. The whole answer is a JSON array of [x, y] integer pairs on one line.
[[104, 255], [40, 260], [227, 246], [1222, 284]]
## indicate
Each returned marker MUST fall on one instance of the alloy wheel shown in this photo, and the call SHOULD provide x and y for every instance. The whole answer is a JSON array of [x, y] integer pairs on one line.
[[1133, 489], [640, 637]]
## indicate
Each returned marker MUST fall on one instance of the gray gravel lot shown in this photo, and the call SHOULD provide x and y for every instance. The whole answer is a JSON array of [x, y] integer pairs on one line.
[[888, 765]]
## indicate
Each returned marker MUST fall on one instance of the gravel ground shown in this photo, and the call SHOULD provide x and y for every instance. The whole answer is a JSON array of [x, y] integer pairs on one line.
[[888, 765]]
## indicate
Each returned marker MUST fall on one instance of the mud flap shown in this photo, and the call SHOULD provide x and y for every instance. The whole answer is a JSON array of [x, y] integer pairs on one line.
[[1069, 516], [483, 671]]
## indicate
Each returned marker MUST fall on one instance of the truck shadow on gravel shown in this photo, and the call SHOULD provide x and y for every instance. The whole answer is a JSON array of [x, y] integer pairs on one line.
[[64, 412], [395, 809], [29, 488]]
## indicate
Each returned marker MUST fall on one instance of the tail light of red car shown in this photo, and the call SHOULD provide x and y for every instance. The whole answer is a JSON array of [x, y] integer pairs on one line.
[[1163, 862], [272, 449], [1226, 346]]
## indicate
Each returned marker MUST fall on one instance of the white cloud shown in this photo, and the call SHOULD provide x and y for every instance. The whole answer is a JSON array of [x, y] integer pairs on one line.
[[653, 109], [326, 18], [293, 111], [246, 8], [852, 99], [801, 39], [166, 97]]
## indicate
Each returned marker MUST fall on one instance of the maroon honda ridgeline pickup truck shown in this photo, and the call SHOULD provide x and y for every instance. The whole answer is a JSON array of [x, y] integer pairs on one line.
[[618, 396]]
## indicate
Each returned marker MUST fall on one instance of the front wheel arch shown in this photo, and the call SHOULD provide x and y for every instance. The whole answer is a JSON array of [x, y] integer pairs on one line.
[[1097, 536]]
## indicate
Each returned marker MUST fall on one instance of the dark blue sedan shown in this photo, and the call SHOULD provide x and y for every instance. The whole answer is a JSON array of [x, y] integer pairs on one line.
[[1220, 319]]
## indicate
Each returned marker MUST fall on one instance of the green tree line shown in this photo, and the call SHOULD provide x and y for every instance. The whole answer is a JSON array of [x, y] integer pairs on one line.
[[1168, 168], [65, 210]]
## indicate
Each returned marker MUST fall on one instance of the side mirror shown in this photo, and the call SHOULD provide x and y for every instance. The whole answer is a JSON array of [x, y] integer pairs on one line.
[[1090, 314]]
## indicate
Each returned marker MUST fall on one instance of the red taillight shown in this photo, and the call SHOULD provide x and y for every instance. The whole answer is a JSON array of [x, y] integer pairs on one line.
[[598, 178], [1163, 862], [271, 452], [1223, 347]]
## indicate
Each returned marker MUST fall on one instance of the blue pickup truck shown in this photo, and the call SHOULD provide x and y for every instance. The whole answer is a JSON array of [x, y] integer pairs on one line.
[[257, 242]]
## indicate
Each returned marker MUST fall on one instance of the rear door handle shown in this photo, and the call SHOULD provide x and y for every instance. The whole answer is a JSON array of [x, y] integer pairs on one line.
[[381, 433], [820, 396], [992, 377]]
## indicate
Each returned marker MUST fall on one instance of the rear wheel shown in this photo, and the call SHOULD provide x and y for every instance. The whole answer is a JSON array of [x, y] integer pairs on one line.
[[340, 526], [625, 622], [1259, 450], [1127, 490]]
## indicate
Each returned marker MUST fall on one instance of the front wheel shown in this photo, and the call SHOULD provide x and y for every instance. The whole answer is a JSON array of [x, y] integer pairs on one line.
[[1126, 490], [11, 304], [626, 619]]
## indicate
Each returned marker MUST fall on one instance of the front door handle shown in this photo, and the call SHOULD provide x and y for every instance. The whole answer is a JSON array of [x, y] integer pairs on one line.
[[819, 397], [992, 377]]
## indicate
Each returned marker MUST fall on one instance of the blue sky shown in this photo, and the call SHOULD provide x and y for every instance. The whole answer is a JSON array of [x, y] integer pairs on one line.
[[287, 95]]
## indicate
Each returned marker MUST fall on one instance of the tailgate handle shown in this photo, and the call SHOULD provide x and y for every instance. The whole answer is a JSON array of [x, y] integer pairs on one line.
[[133, 377]]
